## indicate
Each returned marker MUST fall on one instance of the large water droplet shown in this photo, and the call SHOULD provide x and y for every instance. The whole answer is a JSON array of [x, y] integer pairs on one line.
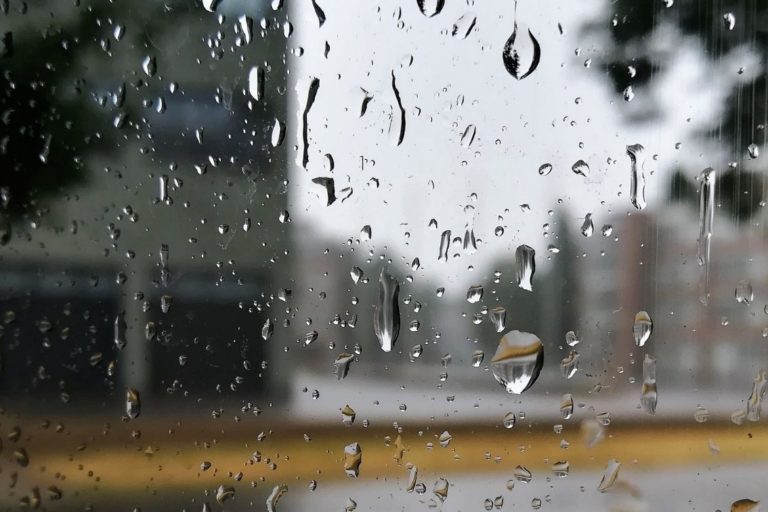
[[729, 20], [745, 505], [744, 293], [518, 360], [587, 228], [267, 329], [256, 83], [566, 406], [430, 8], [397, 125], [511, 55], [525, 257], [386, 314], [636, 153], [210, 5], [570, 364], [753, 151], [278, 133], [545, 169], [642, 328], [149, 65], [445, 245]]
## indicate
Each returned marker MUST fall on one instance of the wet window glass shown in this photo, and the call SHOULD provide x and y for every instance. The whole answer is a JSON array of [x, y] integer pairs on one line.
[[397, 255]]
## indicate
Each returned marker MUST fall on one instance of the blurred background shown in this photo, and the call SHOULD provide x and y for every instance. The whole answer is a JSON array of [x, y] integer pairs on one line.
[[198, 199]]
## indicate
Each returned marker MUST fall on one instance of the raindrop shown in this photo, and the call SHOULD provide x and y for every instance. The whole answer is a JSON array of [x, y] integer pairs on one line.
[[729, 20], [468, 137], [430, 8], [464, 25], [278, 133], [267, 329], [706, 220], [629, 94], [518, 360], [353, 456], [397, 125], [509, 420], [649, 396], [330, 189], [636, 153], [477, 358], [744, 294], [445, 245], [511, 55], [753, 151], [570, 364], [609, 475], [571, 339], [560, 469], [642, 328], [474, 294], [256, 83], [341, 365], [566, 406], [277, 492], [440, 489], [445, 439], [224, 493], [523, 474], [210, 5], [132, 403], [587, 228], [119, 331], [149, 65], [525, 257], [319, 13], [545, 169], [386, 315], [499, 318], [745, 505], [246, 27], [348, 415], [759, 386], [581, 168], [413, 473], [312, 86]]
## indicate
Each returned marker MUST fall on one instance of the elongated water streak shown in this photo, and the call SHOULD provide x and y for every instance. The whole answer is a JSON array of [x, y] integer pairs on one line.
[[706, 220]]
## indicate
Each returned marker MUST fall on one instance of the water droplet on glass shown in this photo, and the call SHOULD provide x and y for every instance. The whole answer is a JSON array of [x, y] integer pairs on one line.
[[474, 294], [356, 273], [729, 20], [386, 315], [545, 169], [256, 83], [755, 400], [463, 26], [224, 493], [119, 331], [430, 8], [753, 151], [566, 406], [610, 475], [525, 257], [348, 415], [587, 228], [571, 339], [649, 396], [629, 94], [509, 420], [353, 456], [523, 474], [642, 328], [561, 468], [445, 439], [309, 89], [278, 133], [149, 65], [499, 318], [413, 473], [744, 294], [330, 189], [132, 403], [511, 55], [636, 153], [706, 220], [745, 505], [440, 489], [468, 137], [319, 13], [341, 365], [477, 358], [518, 360], [416, 351], [210, 5], [397, 124], [701, 415], [445, 245], [581, 168], [570, 364], [277, 492], [267, 329]]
